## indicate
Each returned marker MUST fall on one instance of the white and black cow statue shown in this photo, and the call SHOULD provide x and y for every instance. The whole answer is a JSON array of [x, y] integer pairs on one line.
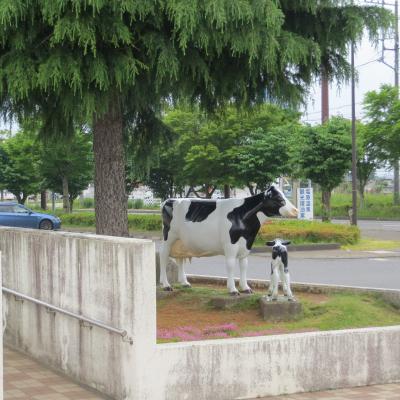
[[279, 268], [203, 228]]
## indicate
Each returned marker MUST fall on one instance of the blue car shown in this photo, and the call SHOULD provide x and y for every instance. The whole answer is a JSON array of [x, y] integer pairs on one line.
[[14, 214]]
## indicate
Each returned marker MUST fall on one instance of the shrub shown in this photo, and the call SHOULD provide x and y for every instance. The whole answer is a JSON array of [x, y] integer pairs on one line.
[[87, 202], [136, 203], [146, 222], [309, 231]]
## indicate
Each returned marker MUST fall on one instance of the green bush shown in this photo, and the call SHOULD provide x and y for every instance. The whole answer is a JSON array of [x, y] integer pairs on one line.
[[145, 222], [309, 232], [135, 204], [87, 202], [298, 231]]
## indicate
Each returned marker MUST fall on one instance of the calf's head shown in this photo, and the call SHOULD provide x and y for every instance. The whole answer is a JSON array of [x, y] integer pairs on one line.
[[277, 243]]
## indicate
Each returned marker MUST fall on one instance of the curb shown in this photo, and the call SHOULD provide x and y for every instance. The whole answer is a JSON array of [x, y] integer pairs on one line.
[[300, 247]]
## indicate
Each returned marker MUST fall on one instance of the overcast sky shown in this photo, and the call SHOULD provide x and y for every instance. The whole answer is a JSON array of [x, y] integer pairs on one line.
[[371, 75]]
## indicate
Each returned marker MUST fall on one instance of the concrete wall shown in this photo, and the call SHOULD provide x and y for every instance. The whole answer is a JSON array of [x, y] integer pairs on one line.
[[113, 280], [96, 276], [1, 336], [251, 367]]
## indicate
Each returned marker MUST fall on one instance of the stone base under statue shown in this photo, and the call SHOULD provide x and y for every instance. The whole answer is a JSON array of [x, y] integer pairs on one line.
[[228, 301], [280, 310]]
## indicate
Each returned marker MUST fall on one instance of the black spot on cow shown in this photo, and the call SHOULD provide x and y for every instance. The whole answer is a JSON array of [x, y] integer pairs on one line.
[[244, 218], [199, 210], [167, 217]]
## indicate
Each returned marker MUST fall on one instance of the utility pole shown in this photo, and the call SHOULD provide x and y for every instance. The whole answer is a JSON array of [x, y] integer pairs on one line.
[[396, 185], [324, 95], [353, 142]]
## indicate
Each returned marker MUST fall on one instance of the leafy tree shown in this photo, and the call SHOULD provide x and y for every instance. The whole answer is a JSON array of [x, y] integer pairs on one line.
[[219, 150], [323, 154], [67, 166], [20, 166], [264, 156], [108, 63], [383, 112], [368, 158]]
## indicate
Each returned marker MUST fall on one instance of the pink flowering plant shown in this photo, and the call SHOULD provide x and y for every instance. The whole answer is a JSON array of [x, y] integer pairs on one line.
[[191, 333]]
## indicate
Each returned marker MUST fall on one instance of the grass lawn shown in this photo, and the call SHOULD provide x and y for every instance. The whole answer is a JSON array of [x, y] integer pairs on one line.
[[372, 244], [187, 315], [377, 206]]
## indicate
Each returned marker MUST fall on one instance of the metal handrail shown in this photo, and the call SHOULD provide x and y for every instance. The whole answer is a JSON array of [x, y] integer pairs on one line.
[[92, 322]]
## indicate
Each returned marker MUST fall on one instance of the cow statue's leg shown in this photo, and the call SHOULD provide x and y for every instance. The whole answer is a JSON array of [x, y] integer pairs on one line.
[[230, 267], [286, 282], [181, 273], [244, 287], [164, 258]]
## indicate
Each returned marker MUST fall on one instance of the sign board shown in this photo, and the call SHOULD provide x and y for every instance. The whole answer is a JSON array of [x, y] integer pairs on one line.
[[305, 203]]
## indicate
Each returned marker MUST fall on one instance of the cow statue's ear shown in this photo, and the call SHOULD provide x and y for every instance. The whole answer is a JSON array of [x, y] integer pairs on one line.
[[285, 242], [270, 243]]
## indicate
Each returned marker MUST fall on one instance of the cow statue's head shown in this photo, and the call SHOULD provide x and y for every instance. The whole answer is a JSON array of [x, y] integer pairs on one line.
[[276, 204]]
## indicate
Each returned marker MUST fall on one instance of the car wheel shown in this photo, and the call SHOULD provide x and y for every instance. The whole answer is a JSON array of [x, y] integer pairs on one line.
[[46, 225]]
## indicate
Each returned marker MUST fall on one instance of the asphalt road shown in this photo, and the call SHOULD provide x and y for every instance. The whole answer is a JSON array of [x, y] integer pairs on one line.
[[378, 270]]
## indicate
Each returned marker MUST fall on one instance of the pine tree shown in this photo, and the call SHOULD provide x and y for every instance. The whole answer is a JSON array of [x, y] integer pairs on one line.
[[108, 63]]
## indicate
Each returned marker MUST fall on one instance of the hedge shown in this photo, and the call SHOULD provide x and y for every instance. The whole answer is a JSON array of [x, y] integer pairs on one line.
[[298, 231], [309, 231], [146, 222]]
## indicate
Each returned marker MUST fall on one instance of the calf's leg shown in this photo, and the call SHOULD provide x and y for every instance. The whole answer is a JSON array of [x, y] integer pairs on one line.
[[286, 284], [274, 282], [244, 287]]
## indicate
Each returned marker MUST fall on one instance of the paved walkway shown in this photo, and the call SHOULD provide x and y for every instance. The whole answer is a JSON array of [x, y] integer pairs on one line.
[[26, 379], [376, 392]]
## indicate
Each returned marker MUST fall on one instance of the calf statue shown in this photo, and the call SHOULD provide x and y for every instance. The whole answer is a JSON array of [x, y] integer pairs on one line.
[[204, 228], [279, 268]]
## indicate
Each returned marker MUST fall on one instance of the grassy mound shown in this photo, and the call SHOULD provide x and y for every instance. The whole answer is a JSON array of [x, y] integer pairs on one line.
[[198, 321]]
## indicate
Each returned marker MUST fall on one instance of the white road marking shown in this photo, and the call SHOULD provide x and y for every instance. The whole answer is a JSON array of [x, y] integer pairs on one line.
[[382, 252], [378, 259]]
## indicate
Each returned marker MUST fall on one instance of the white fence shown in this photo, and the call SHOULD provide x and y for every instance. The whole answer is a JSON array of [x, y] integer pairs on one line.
[[113, 280]]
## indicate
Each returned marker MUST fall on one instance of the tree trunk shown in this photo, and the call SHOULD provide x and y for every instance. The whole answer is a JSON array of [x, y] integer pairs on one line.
[[227, 191], [324, 95], [71, 203], [19, 198], [66, 206], [326, 205], [361, 192], [396, 184], [109, 179], [1, 195], [251, 188], [43, 200]]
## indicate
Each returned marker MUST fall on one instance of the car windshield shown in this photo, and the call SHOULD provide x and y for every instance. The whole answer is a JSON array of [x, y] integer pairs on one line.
[[6, 209], [20, 209]]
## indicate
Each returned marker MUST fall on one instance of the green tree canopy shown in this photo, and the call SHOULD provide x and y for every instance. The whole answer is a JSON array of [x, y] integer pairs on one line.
[[19, 163], [110, 63], [67, 165], [383, 114], [323, 154]]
